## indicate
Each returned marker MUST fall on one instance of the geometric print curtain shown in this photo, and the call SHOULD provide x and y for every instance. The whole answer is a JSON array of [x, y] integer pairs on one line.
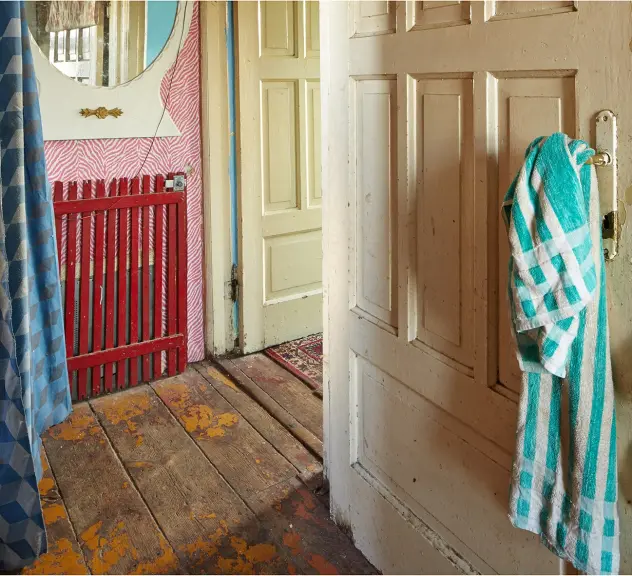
[[34, 392]]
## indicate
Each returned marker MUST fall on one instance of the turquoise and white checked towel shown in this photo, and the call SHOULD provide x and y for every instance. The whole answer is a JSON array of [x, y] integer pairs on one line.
[[564, 480]]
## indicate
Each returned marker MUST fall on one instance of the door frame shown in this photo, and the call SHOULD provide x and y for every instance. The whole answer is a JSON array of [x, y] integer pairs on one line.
[[215, 132]]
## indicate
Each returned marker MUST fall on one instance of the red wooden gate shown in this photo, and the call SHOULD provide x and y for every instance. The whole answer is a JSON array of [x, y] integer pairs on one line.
[[105, 241]]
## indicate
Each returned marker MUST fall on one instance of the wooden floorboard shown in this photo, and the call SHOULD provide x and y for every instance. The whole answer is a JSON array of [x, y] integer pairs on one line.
[[244, 458], [208, 525], [115, 529], [292, 394], [297, 523], [302, 527], [64, 553], [273, 431], [297, 429], [189, 475]]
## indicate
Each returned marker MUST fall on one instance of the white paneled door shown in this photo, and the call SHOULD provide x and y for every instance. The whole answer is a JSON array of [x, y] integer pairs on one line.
[[279, 172], [427, 110]]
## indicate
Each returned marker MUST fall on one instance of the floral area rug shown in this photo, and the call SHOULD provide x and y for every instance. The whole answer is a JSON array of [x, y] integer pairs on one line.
[[303, 358]]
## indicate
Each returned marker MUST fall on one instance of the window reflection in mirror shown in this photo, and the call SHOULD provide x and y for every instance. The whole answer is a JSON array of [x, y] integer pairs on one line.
[[98, 42]]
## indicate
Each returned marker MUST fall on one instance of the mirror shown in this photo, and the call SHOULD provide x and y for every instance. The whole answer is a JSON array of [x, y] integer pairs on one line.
[[99, 42]]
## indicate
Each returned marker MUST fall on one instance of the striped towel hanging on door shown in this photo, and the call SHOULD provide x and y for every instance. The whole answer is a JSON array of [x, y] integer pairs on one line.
[[564, 485]]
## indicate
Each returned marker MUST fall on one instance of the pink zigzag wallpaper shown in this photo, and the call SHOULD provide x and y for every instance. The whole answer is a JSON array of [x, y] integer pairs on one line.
[[106, 159]]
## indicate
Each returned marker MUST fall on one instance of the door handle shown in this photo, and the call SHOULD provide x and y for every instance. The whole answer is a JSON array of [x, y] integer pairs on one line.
[[605, 162]]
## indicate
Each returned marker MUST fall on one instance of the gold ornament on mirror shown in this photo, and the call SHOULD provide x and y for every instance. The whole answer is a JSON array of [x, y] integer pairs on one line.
[[101, 112]]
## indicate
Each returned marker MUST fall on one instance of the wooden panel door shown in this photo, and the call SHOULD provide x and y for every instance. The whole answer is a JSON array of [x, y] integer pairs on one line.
[[279, 172], [428, 108]]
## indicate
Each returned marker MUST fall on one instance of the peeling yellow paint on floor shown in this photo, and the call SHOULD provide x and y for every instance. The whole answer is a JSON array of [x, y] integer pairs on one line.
[[107, 551], [76, 427], [210, 516], [322, 566], [166, 563], [52, 513], [293, 541], [123, 408], [140, 464], [200, 550], [60, 559], [201, 419], [260, 553], [173, 392], [217, 375], [46, 484]]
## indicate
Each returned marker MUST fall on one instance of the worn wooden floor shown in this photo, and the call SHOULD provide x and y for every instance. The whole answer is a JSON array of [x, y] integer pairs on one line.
[[193, 474]]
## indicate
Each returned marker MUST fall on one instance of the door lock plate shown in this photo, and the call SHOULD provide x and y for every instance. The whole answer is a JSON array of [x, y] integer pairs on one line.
[[605, 162]]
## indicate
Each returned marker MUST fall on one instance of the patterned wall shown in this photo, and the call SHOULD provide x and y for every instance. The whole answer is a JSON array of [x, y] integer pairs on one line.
[[106, 159]]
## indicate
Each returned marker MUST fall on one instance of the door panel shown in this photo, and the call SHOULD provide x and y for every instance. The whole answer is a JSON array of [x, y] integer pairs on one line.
[[427, 110], [280, 185], [375, 254], [527, 108], [444, 159], [506, 9], [426, 15]]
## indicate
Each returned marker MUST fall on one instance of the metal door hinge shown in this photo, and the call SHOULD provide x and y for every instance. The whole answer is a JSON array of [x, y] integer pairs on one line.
[[234, 284]]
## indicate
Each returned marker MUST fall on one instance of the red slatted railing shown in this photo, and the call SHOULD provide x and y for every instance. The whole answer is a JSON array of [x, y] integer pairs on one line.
[[108, 323]]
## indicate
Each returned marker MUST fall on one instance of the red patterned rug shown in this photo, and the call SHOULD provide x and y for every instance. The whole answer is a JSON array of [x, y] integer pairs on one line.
[[304, 358]]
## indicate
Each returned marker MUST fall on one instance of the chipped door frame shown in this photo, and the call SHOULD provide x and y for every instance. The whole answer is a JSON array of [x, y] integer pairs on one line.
[[218, 316]]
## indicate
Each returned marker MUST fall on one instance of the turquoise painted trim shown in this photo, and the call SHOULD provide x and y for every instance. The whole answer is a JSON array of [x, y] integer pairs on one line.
[[232, 150]]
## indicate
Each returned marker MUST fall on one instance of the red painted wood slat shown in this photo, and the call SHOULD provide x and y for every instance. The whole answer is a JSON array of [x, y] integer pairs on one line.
[[71, 207], [133, 284], [145, 295], [125, 202], [71, 262], [182, 280], [158, 310], [97, 294], [128, 351], [121, 339], [172, 240], [109, 289], [58, 196], [84, 291]]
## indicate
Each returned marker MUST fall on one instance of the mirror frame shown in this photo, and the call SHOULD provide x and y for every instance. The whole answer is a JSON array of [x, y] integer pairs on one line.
[[62, 98]]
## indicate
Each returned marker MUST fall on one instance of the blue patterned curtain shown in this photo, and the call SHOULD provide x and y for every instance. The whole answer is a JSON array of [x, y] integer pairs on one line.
[[34, 391]]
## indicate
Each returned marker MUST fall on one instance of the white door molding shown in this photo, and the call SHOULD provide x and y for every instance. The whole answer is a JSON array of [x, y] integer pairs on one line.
[[218, 322]]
